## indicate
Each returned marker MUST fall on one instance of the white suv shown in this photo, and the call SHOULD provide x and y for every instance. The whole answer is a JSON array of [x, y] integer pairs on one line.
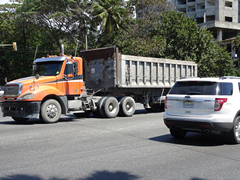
[[204, 105]]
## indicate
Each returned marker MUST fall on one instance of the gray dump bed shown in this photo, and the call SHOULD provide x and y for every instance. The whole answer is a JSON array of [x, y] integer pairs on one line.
[[107, 68]]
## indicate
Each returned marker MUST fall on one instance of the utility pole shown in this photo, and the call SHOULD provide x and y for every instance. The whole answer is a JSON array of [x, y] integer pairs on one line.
[[86, 42]]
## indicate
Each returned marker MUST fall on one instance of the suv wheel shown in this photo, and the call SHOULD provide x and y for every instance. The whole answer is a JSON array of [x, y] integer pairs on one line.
[[178, 133], [234, 134]]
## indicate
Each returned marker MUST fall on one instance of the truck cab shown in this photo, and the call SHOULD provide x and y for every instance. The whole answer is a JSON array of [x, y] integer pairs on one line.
[[45, 95]]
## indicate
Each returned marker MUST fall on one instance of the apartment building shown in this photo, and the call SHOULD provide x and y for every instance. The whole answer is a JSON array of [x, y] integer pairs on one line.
[[222, 17]]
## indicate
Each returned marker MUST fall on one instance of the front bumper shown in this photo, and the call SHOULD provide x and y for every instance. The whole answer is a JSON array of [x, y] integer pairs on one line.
[[20, 109]]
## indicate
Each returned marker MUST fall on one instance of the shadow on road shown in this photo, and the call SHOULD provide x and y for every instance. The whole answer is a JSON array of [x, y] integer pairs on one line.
[[68, 118], [98, 175], [38, 121], [193, 139]]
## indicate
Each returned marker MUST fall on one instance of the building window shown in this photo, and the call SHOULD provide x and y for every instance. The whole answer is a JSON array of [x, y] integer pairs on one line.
[[210, 18], [181, 2], [191, 9], [200, 6], [228, 19], [210, 3], [228, 4], [182, 10], [191, 0], [200, 20]]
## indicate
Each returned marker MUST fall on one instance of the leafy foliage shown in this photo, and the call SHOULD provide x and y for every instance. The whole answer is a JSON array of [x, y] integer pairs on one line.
[[142, 37], [176, 37], [109, 14], [158, 31]]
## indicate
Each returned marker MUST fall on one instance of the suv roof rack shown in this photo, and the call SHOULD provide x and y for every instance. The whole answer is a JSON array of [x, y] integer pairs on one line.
[[229, 77]]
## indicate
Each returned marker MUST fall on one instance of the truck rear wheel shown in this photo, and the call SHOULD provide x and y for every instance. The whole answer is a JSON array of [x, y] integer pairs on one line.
[[100, 110], [51, 111], [127, 106], [110, 107], [20, 120]]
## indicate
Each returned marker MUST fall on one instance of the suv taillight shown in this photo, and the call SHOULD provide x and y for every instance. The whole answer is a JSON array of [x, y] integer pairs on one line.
[[165, 103], [219, 103]]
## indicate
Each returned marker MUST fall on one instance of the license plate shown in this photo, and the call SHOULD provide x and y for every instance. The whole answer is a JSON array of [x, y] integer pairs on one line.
[[188, 104]]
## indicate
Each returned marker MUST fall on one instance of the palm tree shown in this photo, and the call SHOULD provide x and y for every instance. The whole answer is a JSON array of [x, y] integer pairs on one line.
[[109, 14]]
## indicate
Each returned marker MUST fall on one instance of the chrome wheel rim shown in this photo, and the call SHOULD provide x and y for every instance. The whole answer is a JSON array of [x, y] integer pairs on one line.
[[128, 106], [237, 131], [111, 108], [51, 111]]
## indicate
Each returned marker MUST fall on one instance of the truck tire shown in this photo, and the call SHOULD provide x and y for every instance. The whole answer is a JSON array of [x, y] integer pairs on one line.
[[110, 107], [51, 111], [83, 114], [20, 120], [178, 133], [126, 106], [234, 134], [100, 110]]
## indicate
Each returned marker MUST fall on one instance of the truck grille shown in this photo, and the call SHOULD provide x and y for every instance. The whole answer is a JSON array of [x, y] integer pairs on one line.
[[13, 90]]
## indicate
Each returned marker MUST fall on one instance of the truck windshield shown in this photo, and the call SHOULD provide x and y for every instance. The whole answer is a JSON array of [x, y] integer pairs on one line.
[[47, 68]]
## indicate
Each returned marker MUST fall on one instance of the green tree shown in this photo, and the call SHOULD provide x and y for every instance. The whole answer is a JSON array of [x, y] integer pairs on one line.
[[110, 15], [177, 36], [236, 42], [186, 41], [142, 37], [16, 27], [12, 62], [64, 20]]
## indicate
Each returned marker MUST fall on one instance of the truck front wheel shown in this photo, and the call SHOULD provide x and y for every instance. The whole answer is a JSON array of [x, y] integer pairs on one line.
[[51, 111]]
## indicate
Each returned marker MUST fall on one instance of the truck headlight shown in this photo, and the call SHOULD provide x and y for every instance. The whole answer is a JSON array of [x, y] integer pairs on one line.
[[28, 96]]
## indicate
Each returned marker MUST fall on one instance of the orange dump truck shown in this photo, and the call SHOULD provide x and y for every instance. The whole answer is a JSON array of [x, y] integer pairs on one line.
[[106, 83]]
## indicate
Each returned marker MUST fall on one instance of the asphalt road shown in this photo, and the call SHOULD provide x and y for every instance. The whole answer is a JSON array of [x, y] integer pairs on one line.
[[139, 147]]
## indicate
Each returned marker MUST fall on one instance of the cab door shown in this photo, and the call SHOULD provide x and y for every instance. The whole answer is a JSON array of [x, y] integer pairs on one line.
[[72, 80]]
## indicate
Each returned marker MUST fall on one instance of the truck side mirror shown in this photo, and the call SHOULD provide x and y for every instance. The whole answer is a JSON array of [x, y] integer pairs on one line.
[[75, 68]]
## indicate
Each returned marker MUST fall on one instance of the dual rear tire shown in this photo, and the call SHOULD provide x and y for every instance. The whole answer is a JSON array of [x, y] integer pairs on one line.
[[127, 106], [110, 107]]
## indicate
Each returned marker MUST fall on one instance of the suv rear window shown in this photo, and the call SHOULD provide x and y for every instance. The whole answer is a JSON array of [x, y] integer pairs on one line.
[[202, 88]]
